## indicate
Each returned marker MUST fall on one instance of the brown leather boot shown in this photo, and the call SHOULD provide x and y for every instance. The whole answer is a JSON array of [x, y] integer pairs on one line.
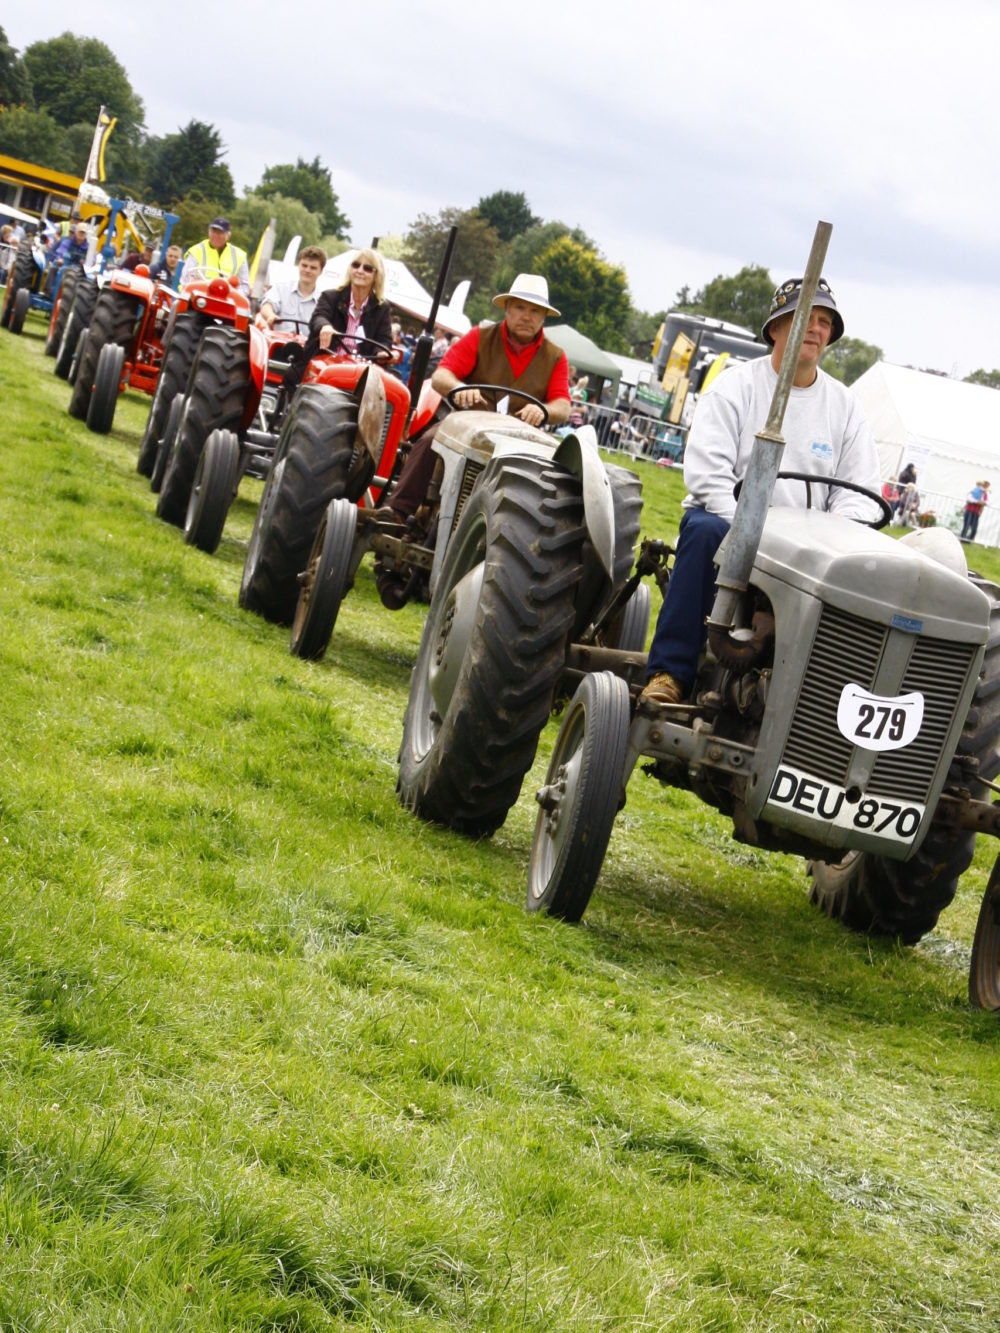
[[662, 689]]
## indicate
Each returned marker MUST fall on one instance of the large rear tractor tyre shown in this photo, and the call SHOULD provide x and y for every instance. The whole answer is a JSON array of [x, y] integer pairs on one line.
[[215, 481], [21, 275], [984, 969], [60, 312], [324, 582], [214, 399], [905, 898], [104, 399], [166, 445], [113, 321], [317, 460], [494, 645], [178, 354], [77, 320], [22, 304], [583, 792]]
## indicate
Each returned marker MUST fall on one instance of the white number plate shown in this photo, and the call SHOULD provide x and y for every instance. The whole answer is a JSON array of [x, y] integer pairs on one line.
[[890, 820], [874, 722]]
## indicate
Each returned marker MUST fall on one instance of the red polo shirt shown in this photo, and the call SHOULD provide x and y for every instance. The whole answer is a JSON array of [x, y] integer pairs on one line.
[[461, 360]]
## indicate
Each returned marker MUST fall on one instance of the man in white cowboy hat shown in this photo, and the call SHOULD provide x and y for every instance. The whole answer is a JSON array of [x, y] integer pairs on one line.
[[515, 355]]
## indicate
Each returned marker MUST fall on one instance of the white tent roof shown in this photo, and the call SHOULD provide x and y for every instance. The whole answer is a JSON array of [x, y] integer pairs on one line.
[[949, 429], [401, 288]]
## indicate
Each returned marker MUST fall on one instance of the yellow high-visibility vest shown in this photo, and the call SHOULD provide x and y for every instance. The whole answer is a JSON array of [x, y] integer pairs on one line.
[[214, 262]]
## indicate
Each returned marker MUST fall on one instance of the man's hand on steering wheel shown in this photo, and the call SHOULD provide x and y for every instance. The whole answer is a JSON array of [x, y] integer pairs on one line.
[[532, 415], [467, 399], [465, 396]]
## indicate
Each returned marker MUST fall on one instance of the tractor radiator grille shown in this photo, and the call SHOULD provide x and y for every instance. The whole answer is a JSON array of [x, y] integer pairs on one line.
[[469, 477], [388, 422], [848, 650], [938, 670]]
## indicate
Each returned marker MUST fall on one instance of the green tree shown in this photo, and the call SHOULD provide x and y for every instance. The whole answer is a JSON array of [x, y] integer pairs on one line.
[[521, 254], [475, 251], [991, 378], [743, 298], [190, 162], [591, 293], [73, 77], [507, 213], [310, 183], [848, 359], [251, 214], [15, 84], [34, 136]]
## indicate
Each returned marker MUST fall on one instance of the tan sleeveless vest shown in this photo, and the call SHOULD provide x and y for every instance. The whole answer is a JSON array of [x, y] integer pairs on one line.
[[492, 366]]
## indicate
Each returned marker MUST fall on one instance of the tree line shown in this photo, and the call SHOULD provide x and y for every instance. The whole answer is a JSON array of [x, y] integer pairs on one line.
[[52, 92]]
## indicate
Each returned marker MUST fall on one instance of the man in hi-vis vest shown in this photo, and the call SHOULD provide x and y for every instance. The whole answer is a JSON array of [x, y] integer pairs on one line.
[[216, 257], [514, 354]]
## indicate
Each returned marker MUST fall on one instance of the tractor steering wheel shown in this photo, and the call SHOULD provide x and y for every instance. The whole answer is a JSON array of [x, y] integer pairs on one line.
[[809, 477], [381, 351], [499, 389]]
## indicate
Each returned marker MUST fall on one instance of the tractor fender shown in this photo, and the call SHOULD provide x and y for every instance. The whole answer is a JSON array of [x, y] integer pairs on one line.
[[428, 402], [258, 360], [577, 453], [258, 375]]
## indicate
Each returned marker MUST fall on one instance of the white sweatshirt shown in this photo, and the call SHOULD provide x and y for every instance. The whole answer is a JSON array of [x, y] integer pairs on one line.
[[825, 434]]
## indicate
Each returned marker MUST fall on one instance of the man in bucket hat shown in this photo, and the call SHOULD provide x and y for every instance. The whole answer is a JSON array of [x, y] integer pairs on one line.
[[825, 434], [514, 354]]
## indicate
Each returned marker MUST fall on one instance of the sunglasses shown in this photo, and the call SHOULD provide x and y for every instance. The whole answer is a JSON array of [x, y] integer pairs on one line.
[[368, 268]]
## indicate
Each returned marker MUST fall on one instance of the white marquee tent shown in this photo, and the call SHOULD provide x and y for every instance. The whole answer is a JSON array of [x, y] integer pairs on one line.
[[402, 289], [948, 429]]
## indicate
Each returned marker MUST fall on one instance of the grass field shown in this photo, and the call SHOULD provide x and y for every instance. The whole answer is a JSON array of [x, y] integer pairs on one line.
[[277, 1056]]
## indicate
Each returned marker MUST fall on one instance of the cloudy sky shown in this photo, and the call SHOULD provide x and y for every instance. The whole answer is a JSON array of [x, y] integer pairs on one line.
[[687, 140]]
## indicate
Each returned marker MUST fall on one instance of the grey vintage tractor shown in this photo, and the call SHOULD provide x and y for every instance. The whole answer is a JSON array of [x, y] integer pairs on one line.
[[410, 558], [847, 707]]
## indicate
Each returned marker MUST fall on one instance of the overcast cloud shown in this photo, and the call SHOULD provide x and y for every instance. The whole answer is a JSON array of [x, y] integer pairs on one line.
[[687, 140]]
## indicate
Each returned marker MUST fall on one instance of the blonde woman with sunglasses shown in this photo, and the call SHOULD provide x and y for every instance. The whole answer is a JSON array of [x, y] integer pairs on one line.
[[356, 309]]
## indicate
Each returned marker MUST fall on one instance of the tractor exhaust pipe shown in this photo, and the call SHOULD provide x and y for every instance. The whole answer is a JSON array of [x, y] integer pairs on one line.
[[422, 354], [743, 539]]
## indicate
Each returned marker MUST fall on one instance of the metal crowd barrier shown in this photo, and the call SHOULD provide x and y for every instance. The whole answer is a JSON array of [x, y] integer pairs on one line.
[[949, 511], [631, 433]]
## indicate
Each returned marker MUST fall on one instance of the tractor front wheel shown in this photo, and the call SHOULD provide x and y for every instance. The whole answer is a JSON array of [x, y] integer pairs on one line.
[[316, 461], [22, 304], [215, 482], [113, 321], [21, 275], [324, 581], [583, 792], [165, 445], [60, 311], [104, 399], [178, 353], [214, 399], [77, 321], [494, 645]]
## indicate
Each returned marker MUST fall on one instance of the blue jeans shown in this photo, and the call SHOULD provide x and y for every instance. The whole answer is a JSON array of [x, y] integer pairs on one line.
[[680, 628]]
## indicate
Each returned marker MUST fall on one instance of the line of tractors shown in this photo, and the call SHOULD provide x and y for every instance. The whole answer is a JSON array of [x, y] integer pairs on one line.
[[527, 547]]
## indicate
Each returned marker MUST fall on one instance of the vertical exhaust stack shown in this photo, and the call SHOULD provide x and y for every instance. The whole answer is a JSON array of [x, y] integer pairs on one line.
[[422, 354], [743, 538]]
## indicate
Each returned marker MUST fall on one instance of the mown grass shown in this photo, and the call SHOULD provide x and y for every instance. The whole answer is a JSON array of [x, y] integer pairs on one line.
[[275, 1055]]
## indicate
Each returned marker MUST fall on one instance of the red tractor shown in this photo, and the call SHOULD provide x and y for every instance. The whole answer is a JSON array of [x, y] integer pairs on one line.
[[133, 324], [235, 417], [234, 387]]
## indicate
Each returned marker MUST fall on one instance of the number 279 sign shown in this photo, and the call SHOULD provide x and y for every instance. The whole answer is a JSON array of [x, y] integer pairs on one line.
[[875, 722]]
